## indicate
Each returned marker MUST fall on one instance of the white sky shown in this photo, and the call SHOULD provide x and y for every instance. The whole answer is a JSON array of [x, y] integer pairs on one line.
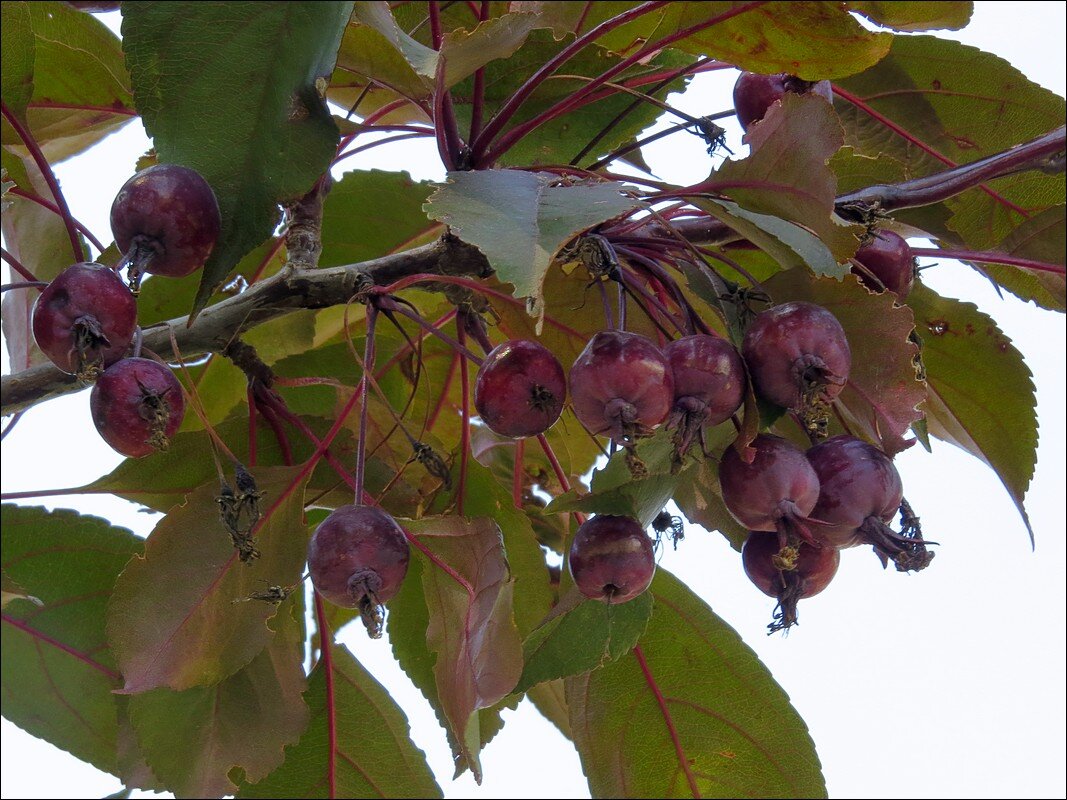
[[949, 683]]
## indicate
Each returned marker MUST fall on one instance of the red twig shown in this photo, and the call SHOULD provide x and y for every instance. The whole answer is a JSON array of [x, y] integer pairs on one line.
[[27, 138]]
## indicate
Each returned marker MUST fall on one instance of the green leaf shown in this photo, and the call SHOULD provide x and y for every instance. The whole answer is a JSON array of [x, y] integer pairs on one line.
[[699, 498], [81, 91], [12, 591], [58, 674], [377, 16], [691, 713], [375, 756], [368, 214], [193, 739], [964, 105], [550, 699], [470, 628], [520, 220], [466, 52], [173, 621], [615, 490], [915, 16], [787, 175], [1043, 237], [17, 53], [581, 635], [777, 37], [883, 391], [788, 244], [164, 480], [219, 93], [981, 394]]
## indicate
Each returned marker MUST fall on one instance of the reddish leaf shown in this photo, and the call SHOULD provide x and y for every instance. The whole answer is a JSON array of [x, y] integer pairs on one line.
[[468, 589], [172, 620]]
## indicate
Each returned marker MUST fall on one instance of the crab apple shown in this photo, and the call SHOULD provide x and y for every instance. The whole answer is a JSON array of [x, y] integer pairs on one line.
[[137, 406], [860, 492], [813, 569], [709, 384], [798, 356], [358, 557], [611, 559], [621, 385], [520, 389], [166, 218], [775, 492], [84, 319], [755, 93], [887, 263]]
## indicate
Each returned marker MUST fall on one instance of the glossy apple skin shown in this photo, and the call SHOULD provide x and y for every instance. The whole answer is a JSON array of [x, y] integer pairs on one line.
[[611, 559], [354, 549], [816, 566], [80, 292], [621, 385], [888, 257], [137, 406], [778, 484], [172, 211], [857, 481], [709, 377], [787, 344], [755, 93], [520, 389]]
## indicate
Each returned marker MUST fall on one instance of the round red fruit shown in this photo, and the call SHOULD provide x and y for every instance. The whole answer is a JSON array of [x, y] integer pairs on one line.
[[520, 389], [814, 568], [886, 262], [755, 93], [84, 319], [621, 385], [166, 218], [611, 559], [137, 406]]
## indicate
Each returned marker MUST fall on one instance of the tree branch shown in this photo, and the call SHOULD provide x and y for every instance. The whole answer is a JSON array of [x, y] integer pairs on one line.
[[290, 290]]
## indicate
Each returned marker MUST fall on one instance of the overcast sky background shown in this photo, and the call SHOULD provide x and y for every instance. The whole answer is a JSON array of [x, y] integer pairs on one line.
[[949, 683]]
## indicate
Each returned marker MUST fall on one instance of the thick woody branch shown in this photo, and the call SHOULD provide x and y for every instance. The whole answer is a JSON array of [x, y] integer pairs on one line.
[[290, 290], [1045, 153]]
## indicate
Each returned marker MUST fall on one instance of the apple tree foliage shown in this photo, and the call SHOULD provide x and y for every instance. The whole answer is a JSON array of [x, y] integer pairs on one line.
[[174, 665]]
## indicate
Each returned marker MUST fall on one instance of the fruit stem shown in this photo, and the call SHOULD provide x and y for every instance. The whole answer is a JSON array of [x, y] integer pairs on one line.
[[17, 266], [517, 474], [389, 305], [26, 135], [465, 410], [45, 203], [38, 285], [370, 145], [253, 434], [368, 366]]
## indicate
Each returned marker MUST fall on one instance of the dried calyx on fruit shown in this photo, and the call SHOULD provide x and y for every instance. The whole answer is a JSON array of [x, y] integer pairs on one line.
[[709, 386], [621, 385], [860, 492], [166, 221], [520, 389], [776, 491], [84, 320], [885, 262], [137, 406], [755, 93], [812, 570], [611, 559], [799, 358], [358, 558]]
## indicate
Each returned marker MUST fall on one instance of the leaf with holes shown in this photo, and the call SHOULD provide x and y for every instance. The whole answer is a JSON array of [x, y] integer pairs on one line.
[[276, 137], [172, 619], [58, 673], [690, 713], [981, 393]]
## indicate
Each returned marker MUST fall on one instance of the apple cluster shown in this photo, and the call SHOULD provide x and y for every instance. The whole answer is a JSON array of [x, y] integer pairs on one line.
[[166, 221]]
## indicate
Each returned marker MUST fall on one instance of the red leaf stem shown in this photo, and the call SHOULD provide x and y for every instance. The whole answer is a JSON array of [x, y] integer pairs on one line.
[[478, 92], [17, 266], [66, 648], [27, 138], [862, 106], [683, 762], [325, 645], [33, 197], [387, 140], [987, 257], [557, 468], [446, 385]]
